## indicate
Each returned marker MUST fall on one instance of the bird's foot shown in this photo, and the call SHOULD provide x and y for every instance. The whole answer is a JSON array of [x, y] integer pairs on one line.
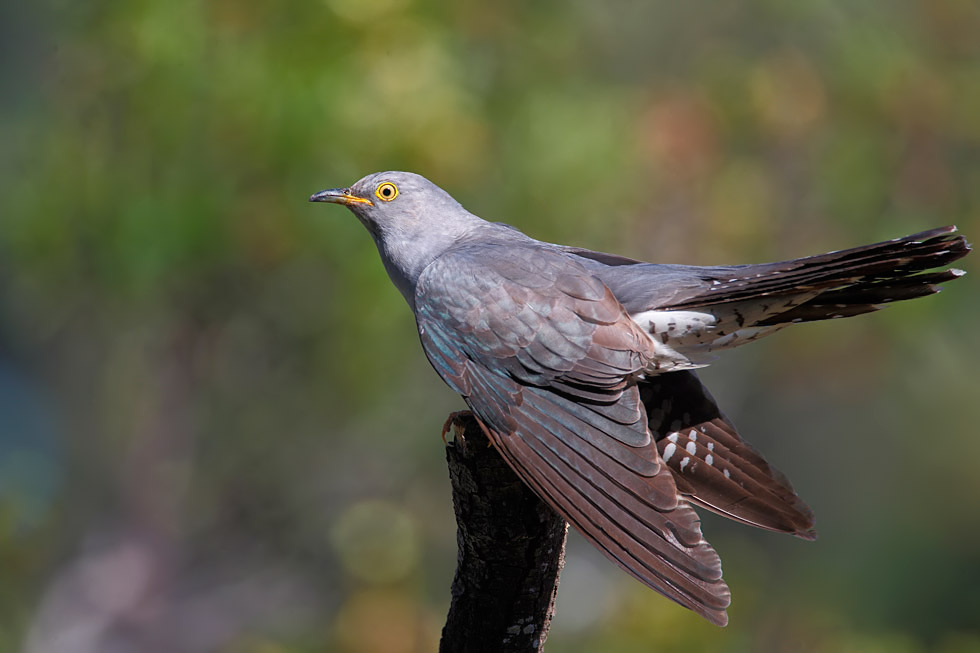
[[456, 424]]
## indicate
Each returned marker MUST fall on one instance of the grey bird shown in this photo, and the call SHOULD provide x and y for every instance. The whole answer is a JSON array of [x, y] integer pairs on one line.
[[578, 365]]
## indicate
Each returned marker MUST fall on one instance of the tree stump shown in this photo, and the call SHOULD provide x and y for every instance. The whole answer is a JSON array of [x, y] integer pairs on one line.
[[511, 548]]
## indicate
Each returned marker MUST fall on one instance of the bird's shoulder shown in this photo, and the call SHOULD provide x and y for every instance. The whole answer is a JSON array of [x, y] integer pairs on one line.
[[505, 261]]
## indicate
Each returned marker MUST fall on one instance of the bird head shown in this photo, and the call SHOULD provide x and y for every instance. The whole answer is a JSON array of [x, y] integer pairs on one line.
[[396, 204], [411, 220]]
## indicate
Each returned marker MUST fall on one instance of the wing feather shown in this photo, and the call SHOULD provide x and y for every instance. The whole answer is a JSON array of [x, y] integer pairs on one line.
[[563, 407], [712, 465]]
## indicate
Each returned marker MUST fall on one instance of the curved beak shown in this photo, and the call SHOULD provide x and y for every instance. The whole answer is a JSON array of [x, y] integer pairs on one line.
[[339, 196]]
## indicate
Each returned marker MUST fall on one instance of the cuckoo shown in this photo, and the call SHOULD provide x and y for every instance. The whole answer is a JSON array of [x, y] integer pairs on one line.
[[579, 365]]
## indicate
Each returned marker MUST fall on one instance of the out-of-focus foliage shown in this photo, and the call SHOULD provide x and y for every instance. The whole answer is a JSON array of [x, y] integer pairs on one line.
[[217, 431]]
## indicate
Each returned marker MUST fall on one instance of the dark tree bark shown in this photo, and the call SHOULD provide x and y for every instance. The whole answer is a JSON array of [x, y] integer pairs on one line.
[[511, 550]]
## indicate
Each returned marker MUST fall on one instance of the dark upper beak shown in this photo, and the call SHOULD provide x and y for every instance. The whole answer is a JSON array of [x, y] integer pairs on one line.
[[339, 196]]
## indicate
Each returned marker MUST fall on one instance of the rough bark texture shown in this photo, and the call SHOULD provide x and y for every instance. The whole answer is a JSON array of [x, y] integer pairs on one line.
[[511, 550]]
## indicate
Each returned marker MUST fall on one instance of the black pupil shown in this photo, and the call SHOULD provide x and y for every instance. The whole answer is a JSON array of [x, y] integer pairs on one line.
[[386, 191]]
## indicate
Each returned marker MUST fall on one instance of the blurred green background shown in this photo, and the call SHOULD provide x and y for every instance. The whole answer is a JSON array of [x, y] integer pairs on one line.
[[217, 430]]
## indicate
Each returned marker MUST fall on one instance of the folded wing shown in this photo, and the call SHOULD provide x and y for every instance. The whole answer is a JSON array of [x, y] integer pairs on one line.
[[712, 466], [548, 361]]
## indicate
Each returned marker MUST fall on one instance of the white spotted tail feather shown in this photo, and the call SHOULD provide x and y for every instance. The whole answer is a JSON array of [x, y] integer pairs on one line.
[[691, 312], [756, 300]]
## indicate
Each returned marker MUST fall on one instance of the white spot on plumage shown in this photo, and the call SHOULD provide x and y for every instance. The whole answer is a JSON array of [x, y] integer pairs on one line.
[[709, 459], [691, 448], [672, 437], [681, 325], [659, 321], [684, 462], [669, 451], [698, 333], [725, 472], [711, 446], [693, 435]]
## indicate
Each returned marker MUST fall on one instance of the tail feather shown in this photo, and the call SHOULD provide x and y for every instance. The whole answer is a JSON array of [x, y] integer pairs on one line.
[[882, 292], [872, 268], [865, 297], [724, 307]]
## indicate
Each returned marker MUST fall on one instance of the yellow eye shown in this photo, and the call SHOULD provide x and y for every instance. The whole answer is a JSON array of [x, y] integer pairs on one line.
[[386, 191]]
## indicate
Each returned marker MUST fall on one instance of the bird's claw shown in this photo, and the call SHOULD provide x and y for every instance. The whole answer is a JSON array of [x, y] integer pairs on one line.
[[454, 423]]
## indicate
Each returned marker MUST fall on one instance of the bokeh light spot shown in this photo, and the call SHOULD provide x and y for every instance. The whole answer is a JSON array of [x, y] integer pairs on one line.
[[377, 541]]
